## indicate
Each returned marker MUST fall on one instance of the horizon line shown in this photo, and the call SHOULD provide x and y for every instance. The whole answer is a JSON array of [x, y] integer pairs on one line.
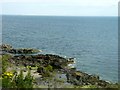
[[57, 15]]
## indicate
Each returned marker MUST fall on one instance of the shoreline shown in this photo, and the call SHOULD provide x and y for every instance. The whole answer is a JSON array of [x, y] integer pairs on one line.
[[59, 64]]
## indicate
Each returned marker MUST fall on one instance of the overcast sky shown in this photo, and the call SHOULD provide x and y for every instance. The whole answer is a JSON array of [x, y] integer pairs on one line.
[[61, 7]]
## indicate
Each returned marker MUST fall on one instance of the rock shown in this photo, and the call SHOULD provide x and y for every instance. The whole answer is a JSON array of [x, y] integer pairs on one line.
[[56, 62], [71, 60], [23, 51], [80, 78], [5, 47], [41, 70], [8, 49], [12, 51], [102, 83]]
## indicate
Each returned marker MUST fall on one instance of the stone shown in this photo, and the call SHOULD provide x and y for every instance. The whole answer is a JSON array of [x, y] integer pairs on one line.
[[41, 70], [5, 47]]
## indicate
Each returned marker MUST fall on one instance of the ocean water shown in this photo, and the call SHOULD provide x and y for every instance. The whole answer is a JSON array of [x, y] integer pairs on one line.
[[93, 41]]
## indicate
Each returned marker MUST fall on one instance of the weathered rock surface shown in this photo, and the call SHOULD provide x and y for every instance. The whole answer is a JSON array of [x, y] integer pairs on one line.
[[73, 76], [57, 62], [80, 78], [23, 51], [5, 47], [8, 48]]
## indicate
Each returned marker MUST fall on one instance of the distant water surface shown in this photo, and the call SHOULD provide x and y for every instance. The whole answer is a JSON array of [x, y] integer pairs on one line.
[[93, 41]]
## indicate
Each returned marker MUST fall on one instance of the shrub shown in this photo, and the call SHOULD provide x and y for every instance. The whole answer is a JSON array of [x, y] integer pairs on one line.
[[7, 75], [45, 71], [28, 81], [17, 81], [49, 68], [6, 83], [7, 80], [46, 74], [20, 80], [5, 62]]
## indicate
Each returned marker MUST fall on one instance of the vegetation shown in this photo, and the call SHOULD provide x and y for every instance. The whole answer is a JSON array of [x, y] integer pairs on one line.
[[17, 81], [114, 85], [5, 62], [49, 68], [7, 80], [17, 72], [28, 81], [89, 86]]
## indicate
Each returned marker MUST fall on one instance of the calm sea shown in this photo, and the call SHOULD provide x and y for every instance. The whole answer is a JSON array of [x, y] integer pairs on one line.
[[93, 41]]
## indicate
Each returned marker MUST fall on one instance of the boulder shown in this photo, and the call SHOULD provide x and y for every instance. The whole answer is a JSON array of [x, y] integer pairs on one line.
[[5, 47]]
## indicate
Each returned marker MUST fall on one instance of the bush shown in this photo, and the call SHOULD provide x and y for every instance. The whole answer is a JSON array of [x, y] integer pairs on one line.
[[7, 75], [28, 81], [7, 80], [5, 62], [49, 68], [7, 83], [46, 74], [20, 80], [45, 71], [17, 81]]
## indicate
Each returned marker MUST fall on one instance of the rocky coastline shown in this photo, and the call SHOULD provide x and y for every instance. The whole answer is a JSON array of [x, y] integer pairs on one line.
[[9, 49], [58, 64]]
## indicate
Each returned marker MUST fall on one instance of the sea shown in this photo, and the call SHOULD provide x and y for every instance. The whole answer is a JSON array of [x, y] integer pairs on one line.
[[92, 41]]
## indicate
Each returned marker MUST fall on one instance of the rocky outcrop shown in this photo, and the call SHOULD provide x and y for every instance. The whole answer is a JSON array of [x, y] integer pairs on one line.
[[56, 62], [23, 51], [80, 78], [73, 76], [8, 49], [5, 47]]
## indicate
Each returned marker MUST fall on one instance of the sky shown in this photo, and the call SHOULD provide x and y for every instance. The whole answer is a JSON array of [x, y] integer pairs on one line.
[[60, 7]]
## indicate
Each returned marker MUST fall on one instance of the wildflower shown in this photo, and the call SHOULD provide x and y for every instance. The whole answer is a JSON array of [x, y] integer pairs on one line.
[[7, 75]]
